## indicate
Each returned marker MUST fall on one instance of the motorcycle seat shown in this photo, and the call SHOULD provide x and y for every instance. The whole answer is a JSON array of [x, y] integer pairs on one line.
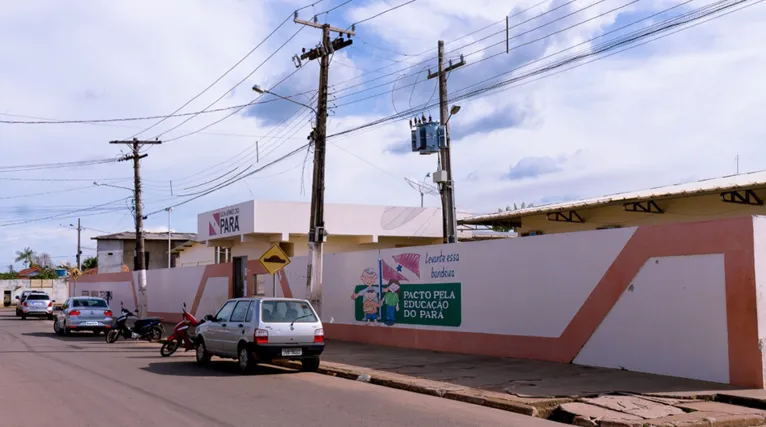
[[143, 322]]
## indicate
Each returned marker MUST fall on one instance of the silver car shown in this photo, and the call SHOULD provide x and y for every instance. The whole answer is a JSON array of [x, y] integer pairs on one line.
[[259, 330], [34, 304], [83, 314]]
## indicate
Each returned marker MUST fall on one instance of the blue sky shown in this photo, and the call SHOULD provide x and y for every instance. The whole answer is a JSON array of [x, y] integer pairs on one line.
[[678, 109]]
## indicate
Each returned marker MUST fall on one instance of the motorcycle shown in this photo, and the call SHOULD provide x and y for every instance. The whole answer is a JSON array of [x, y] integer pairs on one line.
[[149, 329], [180, 335]]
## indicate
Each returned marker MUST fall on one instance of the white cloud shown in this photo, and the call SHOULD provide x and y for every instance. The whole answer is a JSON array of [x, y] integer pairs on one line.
[[680, 108]]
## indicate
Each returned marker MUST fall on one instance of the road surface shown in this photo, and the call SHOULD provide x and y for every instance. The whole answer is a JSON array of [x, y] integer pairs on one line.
[[82, 381]]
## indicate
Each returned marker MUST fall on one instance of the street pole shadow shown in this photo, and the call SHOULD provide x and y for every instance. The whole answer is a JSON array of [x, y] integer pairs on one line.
[[216, 368]]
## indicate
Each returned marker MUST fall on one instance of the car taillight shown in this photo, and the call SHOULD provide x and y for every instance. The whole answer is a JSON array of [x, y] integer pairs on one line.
[[261, 336], [50, 304], [108, 313], [74, 313], [319, 335], [25, 304]]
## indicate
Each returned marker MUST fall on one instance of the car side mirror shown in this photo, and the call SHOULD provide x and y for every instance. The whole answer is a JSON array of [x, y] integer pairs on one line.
[[17, 297], [53, 300], [209, 318], [58, 308]]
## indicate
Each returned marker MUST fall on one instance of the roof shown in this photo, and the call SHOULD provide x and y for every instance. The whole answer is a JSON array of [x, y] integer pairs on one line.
[[185, 245], [29, 271], [129, 235], [745, 181]]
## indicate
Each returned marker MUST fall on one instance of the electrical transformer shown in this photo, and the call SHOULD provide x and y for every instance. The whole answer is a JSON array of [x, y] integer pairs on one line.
[[428, 138]]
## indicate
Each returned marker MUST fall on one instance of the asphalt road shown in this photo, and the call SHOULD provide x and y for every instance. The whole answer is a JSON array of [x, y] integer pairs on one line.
[[82, 381]]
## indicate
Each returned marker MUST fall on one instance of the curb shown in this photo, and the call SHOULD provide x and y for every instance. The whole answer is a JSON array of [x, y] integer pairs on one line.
[[432, 388]]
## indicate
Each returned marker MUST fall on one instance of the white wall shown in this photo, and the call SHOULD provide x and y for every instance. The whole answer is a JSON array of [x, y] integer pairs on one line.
[[196, 255], [671, 321], [759, 237], [57, 289]]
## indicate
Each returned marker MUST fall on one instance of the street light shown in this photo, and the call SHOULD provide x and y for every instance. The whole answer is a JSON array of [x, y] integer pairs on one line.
[[452, 112], [259, 89]]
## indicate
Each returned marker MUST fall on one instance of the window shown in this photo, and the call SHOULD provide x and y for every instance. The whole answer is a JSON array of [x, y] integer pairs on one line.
[[38, 297], [89, 303], [287, 312], [225, 311], [249, 316], [238, 315]]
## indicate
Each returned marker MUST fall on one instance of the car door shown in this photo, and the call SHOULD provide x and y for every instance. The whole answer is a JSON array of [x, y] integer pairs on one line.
[[235, 327], [61, 314], [216, 330]]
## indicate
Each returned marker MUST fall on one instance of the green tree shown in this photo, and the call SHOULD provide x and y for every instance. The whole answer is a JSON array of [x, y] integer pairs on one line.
[[26, 256], [90, 262]]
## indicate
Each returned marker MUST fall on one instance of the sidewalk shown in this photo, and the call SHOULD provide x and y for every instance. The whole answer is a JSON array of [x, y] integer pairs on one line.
[[562, 392]]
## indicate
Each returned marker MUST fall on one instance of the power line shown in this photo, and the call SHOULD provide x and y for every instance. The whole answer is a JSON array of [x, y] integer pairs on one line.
[[39, 166], [670, 23], [382, 13], [64, 215]]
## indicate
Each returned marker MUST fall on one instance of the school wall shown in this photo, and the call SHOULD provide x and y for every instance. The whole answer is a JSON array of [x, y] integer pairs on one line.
[[678, 299]]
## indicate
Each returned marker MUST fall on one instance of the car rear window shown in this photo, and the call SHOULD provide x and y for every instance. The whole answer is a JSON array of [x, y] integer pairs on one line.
[[287, 312], [38, 297], [91, 302]]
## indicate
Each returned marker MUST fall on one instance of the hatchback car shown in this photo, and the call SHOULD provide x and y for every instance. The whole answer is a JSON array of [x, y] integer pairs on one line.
[[260, 330], [35, 304], [82, 314]]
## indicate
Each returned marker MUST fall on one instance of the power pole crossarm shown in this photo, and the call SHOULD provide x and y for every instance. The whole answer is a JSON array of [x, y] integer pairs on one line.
[[140, 260]]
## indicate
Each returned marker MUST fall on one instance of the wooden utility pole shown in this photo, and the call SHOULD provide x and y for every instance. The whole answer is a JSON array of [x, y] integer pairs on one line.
[[446, 187], [319, 137], [79, 250], [140, 259]]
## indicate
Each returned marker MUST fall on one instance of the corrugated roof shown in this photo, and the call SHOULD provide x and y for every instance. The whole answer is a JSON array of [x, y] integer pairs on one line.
[[743, 181], [129, 235]]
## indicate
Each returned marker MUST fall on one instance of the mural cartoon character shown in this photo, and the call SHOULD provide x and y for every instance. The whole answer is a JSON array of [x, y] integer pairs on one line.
[[370, 303], [391, 302]]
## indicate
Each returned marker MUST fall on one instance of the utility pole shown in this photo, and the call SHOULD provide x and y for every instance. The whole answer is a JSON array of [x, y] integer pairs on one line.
[[140, 260], [169, 236], [447, 187], [79, 250], [319, 137]]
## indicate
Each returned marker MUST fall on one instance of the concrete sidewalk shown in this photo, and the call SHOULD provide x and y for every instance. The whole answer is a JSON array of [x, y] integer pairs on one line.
[[568, 393]]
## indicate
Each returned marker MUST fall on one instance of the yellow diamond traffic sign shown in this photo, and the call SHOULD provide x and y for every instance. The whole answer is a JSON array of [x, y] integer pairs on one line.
[[274, 259]]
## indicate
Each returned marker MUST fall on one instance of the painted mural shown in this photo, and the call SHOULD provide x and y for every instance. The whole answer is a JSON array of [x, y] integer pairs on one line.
[[399, 291]]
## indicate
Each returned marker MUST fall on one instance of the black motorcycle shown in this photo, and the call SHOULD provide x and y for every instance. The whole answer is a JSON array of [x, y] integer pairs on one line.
[[149, 329]]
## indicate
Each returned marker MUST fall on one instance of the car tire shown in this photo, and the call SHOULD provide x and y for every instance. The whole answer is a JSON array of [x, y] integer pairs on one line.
[[201, 354], [310, 365], [245, 360], [23, 316], [64, 329], [50, 317], [96, 332], [56, 327]]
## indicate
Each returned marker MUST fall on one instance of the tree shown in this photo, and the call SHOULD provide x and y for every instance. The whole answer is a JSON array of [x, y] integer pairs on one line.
[[26, 256], [43, 260], [503, 228], [90, 262]]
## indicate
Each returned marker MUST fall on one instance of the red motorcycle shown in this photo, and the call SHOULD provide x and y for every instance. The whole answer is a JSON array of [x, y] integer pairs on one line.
[[180, 335]]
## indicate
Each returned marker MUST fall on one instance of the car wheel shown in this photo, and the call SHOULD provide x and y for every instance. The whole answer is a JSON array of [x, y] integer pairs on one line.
[[310, 365], [202, 355], [23, 316], [96, 332], [50, 317], [64, 330], [246, 362], [56, 327]]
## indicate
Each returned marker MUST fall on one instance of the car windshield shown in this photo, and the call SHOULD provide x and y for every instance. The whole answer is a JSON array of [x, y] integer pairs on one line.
[[38, 297], [91, 302], [287, 312]]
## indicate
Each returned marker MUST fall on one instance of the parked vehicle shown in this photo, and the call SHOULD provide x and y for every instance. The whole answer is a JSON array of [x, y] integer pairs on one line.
[[36, 304], [22, 298], [82, 314], [260, 330], [149, 329], [180, 335]]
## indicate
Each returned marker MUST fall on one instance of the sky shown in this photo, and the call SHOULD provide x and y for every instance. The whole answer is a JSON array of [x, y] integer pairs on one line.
[[680, 108]]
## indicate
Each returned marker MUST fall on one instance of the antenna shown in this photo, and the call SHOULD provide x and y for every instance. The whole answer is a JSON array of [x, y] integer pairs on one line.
[[422, 188]]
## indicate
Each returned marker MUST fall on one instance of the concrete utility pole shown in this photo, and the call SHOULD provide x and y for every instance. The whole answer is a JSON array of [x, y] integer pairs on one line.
[[319, 136], [140, 260], [449, 212], [169, 236], [79, 250]]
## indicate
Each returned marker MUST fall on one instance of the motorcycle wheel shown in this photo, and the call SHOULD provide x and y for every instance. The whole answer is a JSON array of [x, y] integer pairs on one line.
[[169, 348], [112, 336], [156, 334]]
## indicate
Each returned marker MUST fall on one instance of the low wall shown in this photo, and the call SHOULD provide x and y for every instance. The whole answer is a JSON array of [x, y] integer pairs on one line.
[[55, 288], [676, 299]]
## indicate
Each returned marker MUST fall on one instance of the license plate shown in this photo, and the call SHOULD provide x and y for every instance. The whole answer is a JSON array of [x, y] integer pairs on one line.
[[91, 323], [292, 352]]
